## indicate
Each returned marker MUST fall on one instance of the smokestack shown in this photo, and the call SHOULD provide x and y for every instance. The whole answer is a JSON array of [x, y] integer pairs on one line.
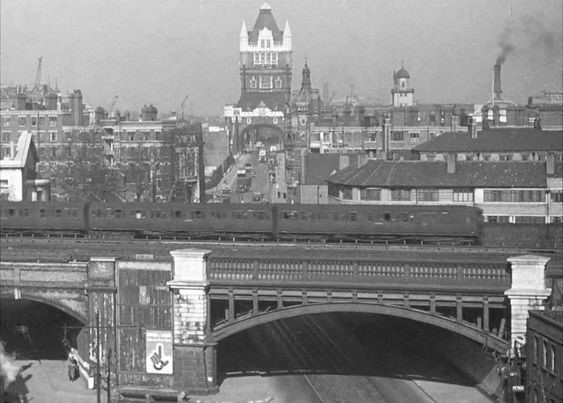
[[496, 82]]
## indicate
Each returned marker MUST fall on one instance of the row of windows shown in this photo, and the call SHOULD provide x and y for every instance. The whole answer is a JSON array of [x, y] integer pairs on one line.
[[519, 219], [514, 196], [545, 354], [266, 58], [265, 82], [33, 120]]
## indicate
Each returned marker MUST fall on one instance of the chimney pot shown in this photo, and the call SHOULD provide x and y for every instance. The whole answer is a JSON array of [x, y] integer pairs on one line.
[[496, 82]]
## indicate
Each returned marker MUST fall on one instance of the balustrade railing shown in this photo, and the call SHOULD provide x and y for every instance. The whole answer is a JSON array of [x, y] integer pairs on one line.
[[293, 271]]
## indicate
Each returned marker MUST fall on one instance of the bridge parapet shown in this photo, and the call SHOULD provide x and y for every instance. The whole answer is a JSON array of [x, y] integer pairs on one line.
[[44, 275], [344, 273]]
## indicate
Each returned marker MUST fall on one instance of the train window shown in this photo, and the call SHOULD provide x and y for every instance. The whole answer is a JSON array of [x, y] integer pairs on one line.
[[96, 212], [387, 216], [352, 217], [155, 213], [118, 213], [198, 214], [24, 212], [290, 215], [178, 213], [58, 213], [42, 213], [11, 212], [261, 215], [138, 214]]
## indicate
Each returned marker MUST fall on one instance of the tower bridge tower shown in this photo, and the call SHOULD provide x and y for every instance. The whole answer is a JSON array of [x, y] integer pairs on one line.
[[265, 63]]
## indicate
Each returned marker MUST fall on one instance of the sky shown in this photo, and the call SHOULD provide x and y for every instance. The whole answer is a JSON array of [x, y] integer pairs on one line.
[[147, 51]]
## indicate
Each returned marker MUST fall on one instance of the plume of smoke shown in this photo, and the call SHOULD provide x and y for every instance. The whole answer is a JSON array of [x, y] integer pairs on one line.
[[531, 32], [542, 36], [8, 370], [506, 45]]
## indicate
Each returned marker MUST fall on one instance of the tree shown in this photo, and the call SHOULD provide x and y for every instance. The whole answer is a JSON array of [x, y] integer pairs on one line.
[[85, 176]]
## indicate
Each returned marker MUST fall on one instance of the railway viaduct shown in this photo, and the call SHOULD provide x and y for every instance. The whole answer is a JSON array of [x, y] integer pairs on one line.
[[165, 315]]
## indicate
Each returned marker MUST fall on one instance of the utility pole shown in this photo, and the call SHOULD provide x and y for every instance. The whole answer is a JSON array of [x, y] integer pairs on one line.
[[98, 363]]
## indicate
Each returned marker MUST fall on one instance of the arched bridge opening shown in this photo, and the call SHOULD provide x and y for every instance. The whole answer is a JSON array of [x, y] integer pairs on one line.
[[35, 327], [268, 134], [466, 330], [371, 340]]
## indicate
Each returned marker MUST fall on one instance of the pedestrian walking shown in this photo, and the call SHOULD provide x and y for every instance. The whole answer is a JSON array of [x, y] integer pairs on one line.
[[72, 368]]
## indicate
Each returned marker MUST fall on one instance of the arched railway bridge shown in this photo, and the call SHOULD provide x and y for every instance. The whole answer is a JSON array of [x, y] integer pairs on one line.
[[195, 298]]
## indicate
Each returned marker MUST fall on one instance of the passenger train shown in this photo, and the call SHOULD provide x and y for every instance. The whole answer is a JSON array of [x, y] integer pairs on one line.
[[386, 223]]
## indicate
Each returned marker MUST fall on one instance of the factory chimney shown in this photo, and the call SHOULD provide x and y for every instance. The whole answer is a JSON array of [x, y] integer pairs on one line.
[[497, 89]]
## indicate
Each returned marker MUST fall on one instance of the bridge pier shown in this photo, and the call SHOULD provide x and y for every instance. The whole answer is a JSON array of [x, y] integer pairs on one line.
[[527, 292], [195, 359]]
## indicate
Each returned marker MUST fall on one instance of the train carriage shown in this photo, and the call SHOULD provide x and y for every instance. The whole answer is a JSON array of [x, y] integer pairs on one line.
[[34, 216]]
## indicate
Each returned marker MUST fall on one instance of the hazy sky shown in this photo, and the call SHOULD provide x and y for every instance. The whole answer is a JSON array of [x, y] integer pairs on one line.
[[157, 51]]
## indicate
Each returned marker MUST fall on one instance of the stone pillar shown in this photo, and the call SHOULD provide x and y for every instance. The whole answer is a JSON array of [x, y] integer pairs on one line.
[[528, 292], [194, 358]]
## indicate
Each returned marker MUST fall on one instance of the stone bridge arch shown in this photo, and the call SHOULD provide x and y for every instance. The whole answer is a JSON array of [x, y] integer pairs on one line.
[[443, 322], [70, 304], [266, 132]]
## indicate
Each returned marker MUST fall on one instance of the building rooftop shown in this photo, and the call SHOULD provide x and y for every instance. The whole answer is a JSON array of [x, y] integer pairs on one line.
[[470, 174], [319, 166], [23, 148], [496, 140], [265, 20]]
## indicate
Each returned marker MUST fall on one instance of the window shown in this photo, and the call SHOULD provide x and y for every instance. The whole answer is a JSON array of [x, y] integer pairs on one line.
[[131, 135], [557, 196], [347, 193], [415, 137], [552, 361], [4, 186], [262, 42], [505, 157], [463, 195], [6, 122], [545, 354], [256, 58], [253, 82], [5, 136], [52, 121], [556, 220], [267, 43], [53, 136], [332, 190], [53, 152], [428, 195], [397, 136], [370, 194], [21, 121], [34, 121], [401, 195], [266, 82], [536, 350]]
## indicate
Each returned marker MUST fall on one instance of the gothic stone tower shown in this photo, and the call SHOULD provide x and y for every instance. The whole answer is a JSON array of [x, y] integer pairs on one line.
[[265, 63]]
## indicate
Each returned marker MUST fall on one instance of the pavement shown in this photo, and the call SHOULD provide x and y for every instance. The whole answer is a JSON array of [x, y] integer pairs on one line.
[[46, 381]]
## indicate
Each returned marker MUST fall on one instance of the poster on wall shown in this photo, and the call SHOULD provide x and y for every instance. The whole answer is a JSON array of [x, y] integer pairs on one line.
[[159, 352]]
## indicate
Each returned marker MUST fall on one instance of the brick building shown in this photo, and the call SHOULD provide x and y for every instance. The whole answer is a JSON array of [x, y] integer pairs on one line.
[[544, 356]]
